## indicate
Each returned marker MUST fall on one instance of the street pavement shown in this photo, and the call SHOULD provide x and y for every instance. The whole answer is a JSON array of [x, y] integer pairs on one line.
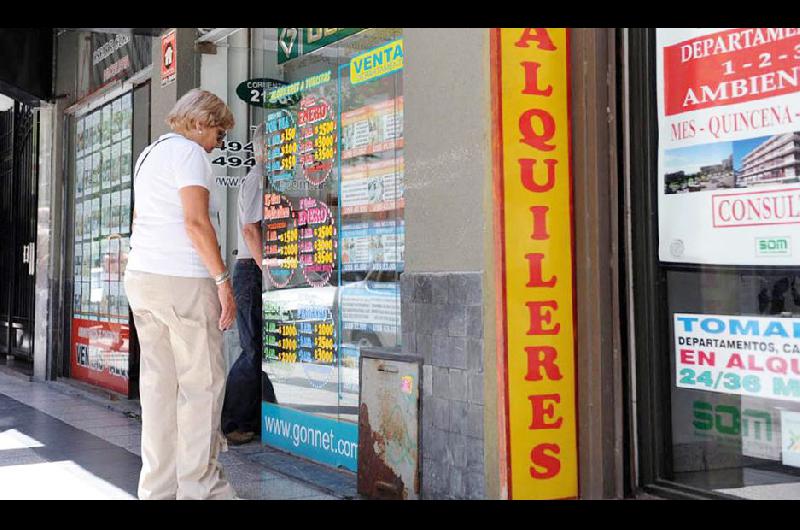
[[62, 445]]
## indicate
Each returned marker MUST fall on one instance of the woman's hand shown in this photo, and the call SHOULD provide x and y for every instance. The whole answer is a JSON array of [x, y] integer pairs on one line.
[[228, 303]]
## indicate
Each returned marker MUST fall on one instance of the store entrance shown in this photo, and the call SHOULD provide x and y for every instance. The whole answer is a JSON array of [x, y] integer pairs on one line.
[[332, 228], [18, 207]]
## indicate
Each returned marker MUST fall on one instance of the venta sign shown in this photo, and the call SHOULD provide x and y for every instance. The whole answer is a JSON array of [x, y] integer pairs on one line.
[[535, 280]]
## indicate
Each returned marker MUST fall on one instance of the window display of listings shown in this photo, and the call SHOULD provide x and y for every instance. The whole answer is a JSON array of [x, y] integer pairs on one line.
[[727, 179], [102, 218], [332, 231]]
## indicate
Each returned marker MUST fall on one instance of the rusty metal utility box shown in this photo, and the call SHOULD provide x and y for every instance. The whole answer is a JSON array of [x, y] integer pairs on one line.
[[389, 424]]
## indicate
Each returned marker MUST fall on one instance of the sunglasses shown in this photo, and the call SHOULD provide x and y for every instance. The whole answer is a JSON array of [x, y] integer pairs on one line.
[[221, 133]]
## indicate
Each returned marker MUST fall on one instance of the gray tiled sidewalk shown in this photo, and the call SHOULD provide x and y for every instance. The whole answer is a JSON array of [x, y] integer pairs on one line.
[[59, 446]]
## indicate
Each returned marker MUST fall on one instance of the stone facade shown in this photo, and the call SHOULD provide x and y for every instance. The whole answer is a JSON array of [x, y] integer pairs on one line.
[[442, 319]]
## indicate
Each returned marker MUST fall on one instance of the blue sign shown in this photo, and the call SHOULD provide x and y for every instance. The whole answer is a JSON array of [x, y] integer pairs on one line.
[[324, 440]]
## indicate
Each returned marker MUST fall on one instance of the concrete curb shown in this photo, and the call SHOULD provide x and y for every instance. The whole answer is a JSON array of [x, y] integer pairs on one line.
[[105, 398], [339, 484]]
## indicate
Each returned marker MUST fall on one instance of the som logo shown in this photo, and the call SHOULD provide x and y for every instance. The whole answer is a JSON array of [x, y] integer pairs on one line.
[[773, 246]]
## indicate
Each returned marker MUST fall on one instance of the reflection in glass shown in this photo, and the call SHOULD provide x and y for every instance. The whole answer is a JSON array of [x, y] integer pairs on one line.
[[333, 222]]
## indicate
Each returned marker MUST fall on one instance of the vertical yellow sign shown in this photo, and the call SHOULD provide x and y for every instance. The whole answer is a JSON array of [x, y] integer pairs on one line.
[[533, 191]]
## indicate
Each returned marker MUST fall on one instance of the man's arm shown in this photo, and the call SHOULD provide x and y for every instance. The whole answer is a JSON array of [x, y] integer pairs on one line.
[[250, 208], [252, 238]]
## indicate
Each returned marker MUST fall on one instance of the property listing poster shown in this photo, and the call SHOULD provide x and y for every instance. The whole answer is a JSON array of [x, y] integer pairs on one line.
[[371, 306], [729, 145], [373, 187], [373, 128], [375, 245], [299, 231]]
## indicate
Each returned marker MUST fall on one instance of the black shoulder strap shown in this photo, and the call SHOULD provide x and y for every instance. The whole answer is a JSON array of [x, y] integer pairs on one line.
[[146, 153]]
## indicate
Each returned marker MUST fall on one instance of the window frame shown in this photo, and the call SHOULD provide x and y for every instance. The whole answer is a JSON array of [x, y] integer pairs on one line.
[[650, 348]]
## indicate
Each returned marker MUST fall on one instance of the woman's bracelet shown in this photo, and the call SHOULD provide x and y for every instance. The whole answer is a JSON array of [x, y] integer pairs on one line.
[[222, 278]]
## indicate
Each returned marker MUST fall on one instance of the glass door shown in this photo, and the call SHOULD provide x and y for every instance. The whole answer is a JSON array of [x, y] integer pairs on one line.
[[333, 226]]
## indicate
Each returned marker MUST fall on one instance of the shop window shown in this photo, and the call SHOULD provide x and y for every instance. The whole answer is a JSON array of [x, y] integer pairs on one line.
[[101, 198], [722, 358], [333, 226]]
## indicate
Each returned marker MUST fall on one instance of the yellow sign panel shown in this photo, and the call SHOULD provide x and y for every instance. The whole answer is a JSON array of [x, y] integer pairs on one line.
[[377, 62], [535, 241]]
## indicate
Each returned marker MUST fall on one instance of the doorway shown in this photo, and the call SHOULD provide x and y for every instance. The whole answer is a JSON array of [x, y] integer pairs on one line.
[[19, 130]]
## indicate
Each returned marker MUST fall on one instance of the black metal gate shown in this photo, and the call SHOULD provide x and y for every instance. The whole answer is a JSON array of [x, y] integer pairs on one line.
[[18, 206]]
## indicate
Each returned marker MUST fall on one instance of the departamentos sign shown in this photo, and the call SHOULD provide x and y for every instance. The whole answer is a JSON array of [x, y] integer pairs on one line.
[[742, 355], [729, 145], [535, 276]]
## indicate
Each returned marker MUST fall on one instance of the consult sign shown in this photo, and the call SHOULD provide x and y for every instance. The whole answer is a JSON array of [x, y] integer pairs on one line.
[[533, 188]]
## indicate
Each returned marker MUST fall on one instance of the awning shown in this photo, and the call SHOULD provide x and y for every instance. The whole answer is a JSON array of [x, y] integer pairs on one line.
[[26, 63]]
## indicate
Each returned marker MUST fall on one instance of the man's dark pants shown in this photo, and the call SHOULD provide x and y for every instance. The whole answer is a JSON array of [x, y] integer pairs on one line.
[[243, 392]]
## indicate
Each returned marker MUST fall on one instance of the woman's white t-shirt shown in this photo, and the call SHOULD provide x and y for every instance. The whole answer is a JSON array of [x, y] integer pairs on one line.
[[159, 243]]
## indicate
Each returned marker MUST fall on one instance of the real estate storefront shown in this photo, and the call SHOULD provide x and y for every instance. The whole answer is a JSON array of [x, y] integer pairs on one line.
[[332, 186], [717, 299], [586, 235], [105, 125]]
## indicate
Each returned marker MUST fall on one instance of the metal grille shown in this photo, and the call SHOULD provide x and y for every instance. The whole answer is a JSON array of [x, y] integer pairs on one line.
[[19, 172], [6, 236]]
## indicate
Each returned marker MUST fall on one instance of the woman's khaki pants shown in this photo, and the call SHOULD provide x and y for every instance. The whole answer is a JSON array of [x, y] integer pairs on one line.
[[181, 386]]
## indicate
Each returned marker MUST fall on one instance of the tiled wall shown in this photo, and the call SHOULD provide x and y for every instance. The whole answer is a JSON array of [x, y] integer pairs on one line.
[[442, 319]]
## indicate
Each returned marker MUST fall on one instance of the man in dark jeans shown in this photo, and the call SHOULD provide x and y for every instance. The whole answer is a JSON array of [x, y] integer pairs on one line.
[[241, 410]]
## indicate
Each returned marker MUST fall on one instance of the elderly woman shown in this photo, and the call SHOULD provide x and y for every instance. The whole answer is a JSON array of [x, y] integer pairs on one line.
[[182, 300]]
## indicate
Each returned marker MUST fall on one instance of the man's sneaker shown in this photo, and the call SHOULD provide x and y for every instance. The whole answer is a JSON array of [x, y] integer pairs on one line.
[[239, 437]]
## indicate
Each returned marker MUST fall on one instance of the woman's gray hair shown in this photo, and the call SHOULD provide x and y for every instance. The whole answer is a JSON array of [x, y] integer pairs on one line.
[[199, 108]]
